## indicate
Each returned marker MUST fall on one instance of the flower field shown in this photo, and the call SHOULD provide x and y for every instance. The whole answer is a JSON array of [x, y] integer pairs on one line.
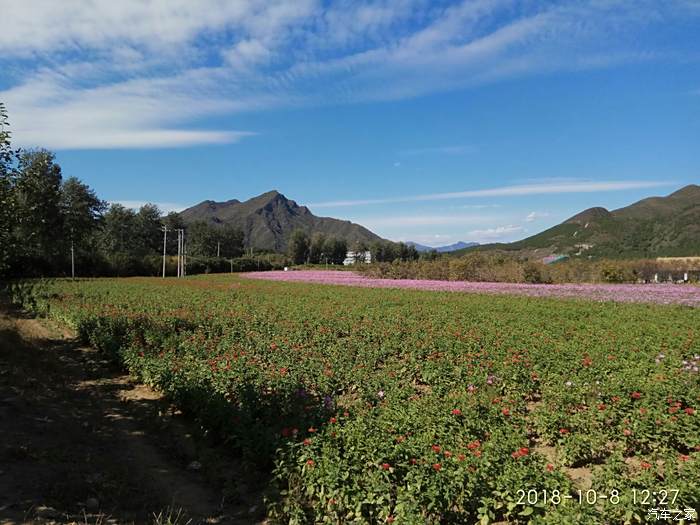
[[405, 406], [629, 293]]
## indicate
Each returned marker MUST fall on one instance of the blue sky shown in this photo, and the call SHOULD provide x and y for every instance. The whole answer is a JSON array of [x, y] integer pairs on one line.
[[485, 120]]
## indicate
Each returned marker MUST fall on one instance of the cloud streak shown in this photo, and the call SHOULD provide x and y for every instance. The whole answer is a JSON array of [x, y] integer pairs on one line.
[[98, 72], [504, 191]]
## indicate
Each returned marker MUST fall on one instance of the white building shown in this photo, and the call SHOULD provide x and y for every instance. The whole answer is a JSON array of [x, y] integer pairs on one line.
[[353, 257]]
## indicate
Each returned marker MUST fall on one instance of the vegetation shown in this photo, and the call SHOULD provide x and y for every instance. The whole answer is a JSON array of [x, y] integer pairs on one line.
[[654, 227], [44, 218], [381, 406], [509, 268]]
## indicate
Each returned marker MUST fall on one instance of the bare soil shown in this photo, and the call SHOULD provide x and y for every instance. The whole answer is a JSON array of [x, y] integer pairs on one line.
[[81, 443]]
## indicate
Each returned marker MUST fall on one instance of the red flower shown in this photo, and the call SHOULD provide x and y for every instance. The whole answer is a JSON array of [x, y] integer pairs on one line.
[[683, 457], [346, 413], [448, 454], [307, 442], [310, 462], [601, 406], [436, 448], [645, 465], [477, 453], [456, 412], [524, 451], [390, 519], [312, 429], [461, 457], [563, 431], [474, 444], [505, 412], [642, 411], [636, 395], [550, 467], [414, 461], [673, 410], [627, 432], [437, 467], [386, 466], [690, 411], [333, 420]]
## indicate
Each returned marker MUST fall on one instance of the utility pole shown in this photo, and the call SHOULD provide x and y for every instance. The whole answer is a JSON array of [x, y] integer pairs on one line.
[[72, 259], [165, 244], [179, 251], [218, 249], [184, 254]]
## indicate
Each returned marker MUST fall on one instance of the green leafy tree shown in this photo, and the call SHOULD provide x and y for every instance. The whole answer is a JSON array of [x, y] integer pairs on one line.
[[37, 198], [231, 239], [173, 221], [201, 239], [119, 224], [7, 205], [82, 211], [336, 249], [317, 248], [149, 234], [298, 249]]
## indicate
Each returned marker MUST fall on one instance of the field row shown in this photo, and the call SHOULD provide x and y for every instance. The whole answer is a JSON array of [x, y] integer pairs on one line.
[[402, 406], [629, 293]]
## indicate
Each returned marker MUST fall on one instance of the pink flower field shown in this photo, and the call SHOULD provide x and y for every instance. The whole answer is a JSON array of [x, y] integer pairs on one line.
[[632, 293]]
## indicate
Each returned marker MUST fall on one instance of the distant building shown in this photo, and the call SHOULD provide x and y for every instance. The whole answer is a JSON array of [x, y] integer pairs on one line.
[[353, 257], [550, 259]]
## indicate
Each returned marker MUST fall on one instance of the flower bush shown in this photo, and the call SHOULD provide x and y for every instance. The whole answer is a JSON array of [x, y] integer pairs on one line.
[[400, 406]]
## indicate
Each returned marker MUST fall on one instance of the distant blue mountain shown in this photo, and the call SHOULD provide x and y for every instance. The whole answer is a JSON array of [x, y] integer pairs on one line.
[[443, 249]]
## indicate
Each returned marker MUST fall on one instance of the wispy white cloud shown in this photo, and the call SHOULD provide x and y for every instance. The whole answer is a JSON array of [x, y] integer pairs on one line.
[[420, 220], [495, 234], [534, 215], [506, 191], [96, 72]]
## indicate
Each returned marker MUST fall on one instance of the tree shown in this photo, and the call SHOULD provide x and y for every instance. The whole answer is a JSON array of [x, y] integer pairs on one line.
[[317, 248], [231, 239], [119, 223], [298, 248], [173, 221], [37, 199], [360, 248], [148, 232], [201, 239], [82, 211], [336, 249], [8, 159]]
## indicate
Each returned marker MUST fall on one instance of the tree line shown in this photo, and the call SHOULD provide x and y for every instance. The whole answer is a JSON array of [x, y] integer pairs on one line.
[[44, 217]]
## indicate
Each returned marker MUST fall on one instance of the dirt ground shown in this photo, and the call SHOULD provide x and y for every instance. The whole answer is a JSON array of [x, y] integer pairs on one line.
[[81, 443]]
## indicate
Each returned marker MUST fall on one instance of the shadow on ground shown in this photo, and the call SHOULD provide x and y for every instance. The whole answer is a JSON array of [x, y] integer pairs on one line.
[[80, 443]]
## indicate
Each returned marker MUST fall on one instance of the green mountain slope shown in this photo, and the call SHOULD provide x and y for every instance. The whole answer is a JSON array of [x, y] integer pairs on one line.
[[653, 227], [269, 219]]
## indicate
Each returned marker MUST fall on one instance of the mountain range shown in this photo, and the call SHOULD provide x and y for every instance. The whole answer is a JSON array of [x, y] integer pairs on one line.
[[652, 227], [269, 219], [461, 245]]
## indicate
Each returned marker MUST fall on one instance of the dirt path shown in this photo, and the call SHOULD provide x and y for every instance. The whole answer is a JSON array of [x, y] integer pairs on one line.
[[80, 443]]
